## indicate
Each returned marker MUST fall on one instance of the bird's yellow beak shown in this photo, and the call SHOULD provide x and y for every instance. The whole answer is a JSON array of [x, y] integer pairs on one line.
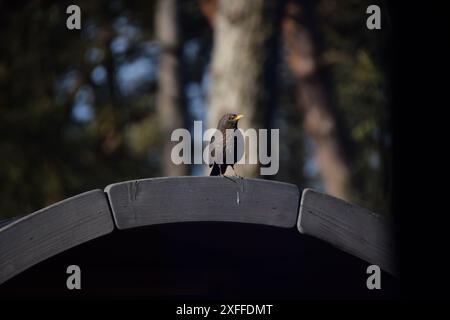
[[238, 117]]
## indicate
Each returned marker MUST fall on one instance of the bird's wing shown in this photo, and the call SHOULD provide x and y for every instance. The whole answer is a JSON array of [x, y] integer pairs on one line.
[[231, 138], [215, 143]]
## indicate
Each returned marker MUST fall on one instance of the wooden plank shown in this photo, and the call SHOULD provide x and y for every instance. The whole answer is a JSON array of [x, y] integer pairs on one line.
[[182, 199], [49, 231], [7, 221], [348, 227]]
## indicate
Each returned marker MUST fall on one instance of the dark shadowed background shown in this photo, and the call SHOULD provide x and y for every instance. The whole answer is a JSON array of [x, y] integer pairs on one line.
[[80, 109]]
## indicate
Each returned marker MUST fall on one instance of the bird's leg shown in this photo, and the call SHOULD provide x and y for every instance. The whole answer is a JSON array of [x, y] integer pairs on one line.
[[228, 177], [236, 181], [235, 173]]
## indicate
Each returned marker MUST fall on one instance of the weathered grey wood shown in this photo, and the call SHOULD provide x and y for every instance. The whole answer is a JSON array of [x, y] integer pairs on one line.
[[44, 233], [348, 227], [179, 199], [7, 221]]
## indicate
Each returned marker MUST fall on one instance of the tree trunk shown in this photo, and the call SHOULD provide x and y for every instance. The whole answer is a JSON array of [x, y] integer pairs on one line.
[[243, 34], [170, 103], [209, 10], [320, 120]]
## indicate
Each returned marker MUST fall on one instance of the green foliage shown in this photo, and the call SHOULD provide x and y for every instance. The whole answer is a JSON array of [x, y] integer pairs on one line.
[[47, 153], [360, 84]]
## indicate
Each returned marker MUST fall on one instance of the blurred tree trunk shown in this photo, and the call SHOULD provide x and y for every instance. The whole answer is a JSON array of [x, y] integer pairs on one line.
[[245, 34], [320, 119], [170, 102], [209, 10]]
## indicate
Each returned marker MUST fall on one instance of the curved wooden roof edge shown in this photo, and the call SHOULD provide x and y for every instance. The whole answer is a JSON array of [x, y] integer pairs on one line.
[[40, 235]]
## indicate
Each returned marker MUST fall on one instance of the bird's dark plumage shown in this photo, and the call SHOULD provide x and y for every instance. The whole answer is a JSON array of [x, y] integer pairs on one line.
[[228, 121]]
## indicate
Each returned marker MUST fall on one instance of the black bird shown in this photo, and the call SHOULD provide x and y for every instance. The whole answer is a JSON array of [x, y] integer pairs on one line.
[[228, 121]]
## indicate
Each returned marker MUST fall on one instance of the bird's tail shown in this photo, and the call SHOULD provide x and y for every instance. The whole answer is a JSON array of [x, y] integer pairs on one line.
[[215, 171]]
